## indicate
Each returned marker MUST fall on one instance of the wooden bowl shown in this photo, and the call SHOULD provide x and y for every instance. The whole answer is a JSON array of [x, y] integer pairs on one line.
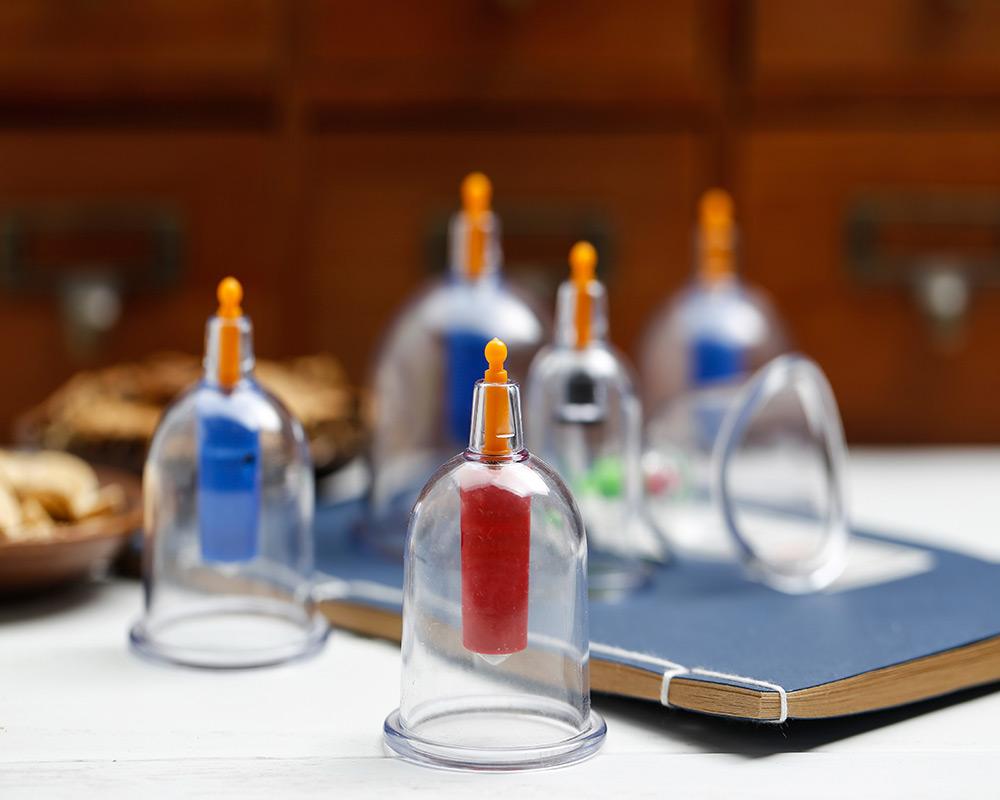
[[75, 551]]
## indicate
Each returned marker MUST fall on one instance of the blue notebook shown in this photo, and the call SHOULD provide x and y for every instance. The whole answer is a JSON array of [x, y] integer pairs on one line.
[[907, 622]]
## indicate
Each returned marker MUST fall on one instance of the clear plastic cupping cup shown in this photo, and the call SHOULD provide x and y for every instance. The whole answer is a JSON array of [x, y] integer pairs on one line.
[[495, 647], [431, 358], [228, 492], [585, 419], [695, 356], [778, 478], [717, 330], [745, 454]]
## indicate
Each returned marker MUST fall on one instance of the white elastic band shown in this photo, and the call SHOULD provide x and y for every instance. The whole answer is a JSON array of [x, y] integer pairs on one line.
[[669, 674], [379, 592], [671, 669], [632, 655]]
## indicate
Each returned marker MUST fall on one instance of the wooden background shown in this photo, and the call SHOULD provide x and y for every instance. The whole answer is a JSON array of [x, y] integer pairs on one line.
[[314, 149]]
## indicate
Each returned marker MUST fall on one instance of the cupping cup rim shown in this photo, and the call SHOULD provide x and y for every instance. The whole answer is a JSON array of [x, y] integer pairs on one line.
[[822, 414]]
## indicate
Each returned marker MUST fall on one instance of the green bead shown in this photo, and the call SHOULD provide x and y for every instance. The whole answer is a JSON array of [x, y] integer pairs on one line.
[[607, 476]]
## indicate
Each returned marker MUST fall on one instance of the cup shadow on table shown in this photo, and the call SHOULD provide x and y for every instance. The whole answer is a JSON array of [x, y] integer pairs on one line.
[[758, 740]]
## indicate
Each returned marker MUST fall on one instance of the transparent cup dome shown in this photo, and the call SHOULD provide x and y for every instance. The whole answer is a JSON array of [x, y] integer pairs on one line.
[[778, 477], [708, 335], [585, 419], [717, 330], [763, 480], [431, 358], [228, 492], [495, 647]]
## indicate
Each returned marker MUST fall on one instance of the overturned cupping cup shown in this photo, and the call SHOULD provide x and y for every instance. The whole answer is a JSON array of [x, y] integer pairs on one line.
[[778, 476]]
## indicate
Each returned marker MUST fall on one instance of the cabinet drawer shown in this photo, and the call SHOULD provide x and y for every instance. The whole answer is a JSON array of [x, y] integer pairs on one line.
[[878, 47], [137, 47], [898, 379], [507, 51], [213, 193], [379, 204]]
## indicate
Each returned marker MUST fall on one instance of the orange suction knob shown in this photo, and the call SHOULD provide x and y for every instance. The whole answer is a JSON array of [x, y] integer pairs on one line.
[[230, 295], [717, 234], [477, 192], [496, 411], [583, 263]]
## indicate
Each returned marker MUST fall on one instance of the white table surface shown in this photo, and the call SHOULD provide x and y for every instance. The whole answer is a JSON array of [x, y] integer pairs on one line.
[[80, 715]]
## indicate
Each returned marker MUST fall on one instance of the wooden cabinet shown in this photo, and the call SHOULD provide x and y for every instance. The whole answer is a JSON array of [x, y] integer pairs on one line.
[[138, 48], [894, 381], [217, 189], [811, 49], [851, 106], [315, 148], [378, 202], [526, 53]]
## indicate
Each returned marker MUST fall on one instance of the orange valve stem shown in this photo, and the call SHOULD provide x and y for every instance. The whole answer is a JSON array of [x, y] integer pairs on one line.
[[583, 261], [230, 295], [717, 234], [477, 192], [496, 405]]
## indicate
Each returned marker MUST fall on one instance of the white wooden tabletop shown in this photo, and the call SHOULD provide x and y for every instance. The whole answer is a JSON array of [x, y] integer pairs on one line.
[[79, 715]]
